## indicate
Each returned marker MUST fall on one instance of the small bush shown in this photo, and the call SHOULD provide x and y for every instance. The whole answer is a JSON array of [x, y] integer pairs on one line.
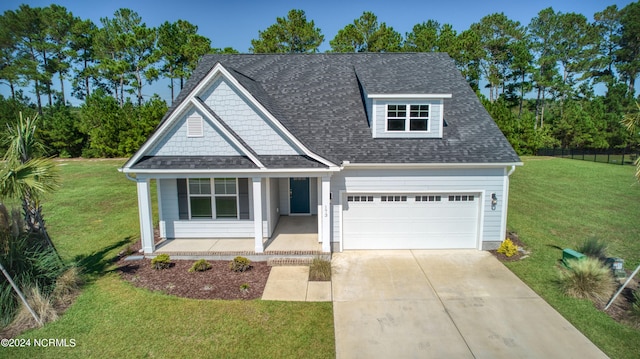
[[161, 261], [508, 248], [593, 247], [320, 269], [244, 288], [240, 264], [67, 285], [200, 266], [41, 304], [588, 279]]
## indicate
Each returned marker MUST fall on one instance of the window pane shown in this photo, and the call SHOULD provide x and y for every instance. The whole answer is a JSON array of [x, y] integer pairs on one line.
[[226, 207], [419, 110], [201, 207], [395, 125], [225, 185], [418, 125], [200, 186], [396, 110]]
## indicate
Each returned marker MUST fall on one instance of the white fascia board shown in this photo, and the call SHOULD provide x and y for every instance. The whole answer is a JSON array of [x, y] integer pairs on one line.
[[294, 172], [410, 96], [427, 165], [216, 70], [158, 134], [274, 121], [182, 107], [226, 133]]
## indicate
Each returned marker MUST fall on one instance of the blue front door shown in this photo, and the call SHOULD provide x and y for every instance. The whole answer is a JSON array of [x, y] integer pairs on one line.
[[299, 195]]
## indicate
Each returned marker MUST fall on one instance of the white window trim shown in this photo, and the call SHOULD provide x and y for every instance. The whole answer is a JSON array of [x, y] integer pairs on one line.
[[213, 196], [407, 118]]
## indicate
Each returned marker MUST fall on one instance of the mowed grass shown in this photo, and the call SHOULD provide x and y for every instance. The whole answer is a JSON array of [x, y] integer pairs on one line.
[[558, 203], [91, 218]]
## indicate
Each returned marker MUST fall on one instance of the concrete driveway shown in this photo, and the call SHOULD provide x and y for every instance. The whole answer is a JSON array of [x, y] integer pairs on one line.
[[443, 304]]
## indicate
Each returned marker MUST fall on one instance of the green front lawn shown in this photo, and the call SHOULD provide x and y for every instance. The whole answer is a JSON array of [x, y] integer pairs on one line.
[[561, 202], [93, 217], [553, 203]]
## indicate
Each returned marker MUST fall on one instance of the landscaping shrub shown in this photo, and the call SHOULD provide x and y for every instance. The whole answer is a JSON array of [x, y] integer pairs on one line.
[[589, 279], [240, 264], [67, 285], [320, 269], [593, 247], [244, 287], [27, 260], [635, 309], [508, 248], [161, 261], [200, 266], [41, 304]]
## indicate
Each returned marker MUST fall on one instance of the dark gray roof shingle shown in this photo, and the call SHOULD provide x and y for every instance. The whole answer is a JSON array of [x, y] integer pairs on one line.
[[318, 99]]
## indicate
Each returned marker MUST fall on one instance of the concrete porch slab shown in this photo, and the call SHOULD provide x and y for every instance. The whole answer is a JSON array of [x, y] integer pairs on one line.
[[186, 245], [233, 245]]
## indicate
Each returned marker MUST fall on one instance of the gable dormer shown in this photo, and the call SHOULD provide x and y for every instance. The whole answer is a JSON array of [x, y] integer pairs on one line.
[[406, 116]]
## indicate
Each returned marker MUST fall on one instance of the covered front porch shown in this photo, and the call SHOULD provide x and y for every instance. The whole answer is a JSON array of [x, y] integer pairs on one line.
[[293, 236]]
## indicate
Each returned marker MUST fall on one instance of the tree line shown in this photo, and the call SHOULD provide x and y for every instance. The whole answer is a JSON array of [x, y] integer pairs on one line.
[[540, 77]]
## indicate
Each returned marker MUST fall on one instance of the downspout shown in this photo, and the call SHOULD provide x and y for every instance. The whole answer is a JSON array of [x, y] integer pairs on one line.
[[513, 168], [130, 178]]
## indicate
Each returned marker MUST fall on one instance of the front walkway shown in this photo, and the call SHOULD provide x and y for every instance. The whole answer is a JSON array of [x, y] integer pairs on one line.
[[294, 235], [443, 304], [291, 283]]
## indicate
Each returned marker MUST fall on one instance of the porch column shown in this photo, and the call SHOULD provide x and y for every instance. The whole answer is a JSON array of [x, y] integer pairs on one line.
[[144, 211], [326, 214], [256, 183]]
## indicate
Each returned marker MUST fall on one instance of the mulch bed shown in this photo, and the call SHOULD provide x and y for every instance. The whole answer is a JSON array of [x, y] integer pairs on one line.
[[219, 282], [503, 258]]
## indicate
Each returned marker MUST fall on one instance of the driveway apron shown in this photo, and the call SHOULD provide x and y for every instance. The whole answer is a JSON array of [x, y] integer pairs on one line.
[[440, 303]]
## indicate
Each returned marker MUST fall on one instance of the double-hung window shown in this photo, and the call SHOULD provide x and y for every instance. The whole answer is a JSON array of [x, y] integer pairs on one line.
[[200, 198], [415, 119], [226, 198], [206, 201]]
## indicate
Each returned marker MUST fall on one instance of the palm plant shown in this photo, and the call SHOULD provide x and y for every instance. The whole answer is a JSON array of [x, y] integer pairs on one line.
[[25, 177]]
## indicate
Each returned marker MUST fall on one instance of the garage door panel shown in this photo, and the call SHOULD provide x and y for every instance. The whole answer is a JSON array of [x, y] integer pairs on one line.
[[410, 225]]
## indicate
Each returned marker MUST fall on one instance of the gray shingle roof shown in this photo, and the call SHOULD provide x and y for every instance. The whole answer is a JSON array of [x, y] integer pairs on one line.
[[317, 98]]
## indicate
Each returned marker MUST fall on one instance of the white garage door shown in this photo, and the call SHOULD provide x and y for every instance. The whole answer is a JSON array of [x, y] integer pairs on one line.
[[410, 221]]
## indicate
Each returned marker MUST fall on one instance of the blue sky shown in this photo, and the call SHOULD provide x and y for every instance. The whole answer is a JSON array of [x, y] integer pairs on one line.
[[235, 23]]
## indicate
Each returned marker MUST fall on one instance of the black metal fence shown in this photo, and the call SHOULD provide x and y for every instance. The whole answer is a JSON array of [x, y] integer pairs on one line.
[[613, 156]]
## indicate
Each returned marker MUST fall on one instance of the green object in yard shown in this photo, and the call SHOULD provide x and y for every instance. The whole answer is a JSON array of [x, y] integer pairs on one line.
[[570, 254]]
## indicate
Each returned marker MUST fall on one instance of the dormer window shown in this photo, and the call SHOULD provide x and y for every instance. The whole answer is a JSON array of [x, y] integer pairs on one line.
[[416, 119]]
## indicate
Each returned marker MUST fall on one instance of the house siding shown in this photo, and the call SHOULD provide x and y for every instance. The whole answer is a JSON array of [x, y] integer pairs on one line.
[[274, 204], [487, 181], [435, 119], [245, 120], [177, 228], [176, 142]]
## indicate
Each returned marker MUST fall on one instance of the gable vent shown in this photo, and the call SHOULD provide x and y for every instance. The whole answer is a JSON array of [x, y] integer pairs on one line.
[[194, 126]]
